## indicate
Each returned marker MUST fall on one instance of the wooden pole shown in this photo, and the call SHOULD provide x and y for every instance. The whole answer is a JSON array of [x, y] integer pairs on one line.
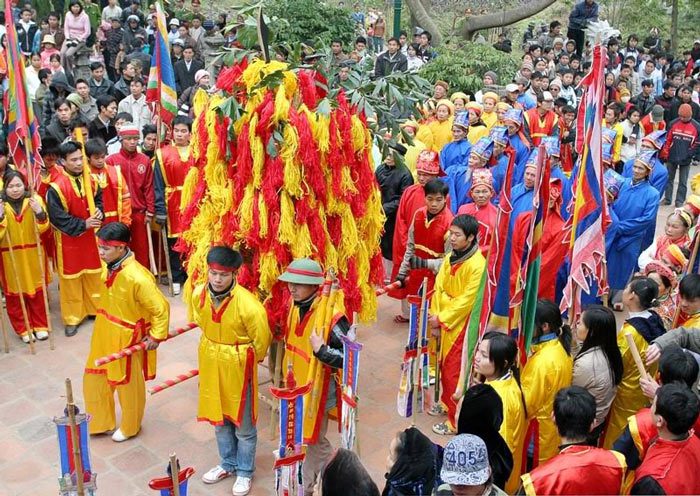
[[5, 337], [635, 354], [22, 303], [151, 257], [77, 457], [174, 474], [87, 179], [166, 252]]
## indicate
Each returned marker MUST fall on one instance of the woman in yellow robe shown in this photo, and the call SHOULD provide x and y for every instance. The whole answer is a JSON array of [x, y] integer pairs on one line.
[[549, 368], [489, 115], [456, 287], [411, 127], [20, 218], [441, 126], [496, 363], [644, 325]]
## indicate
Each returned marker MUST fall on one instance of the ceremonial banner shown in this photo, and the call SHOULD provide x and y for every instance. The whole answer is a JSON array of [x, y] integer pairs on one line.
[[161, 80]]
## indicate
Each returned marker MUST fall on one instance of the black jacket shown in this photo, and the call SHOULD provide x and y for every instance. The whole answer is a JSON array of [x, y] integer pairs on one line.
[[643, 103], [386, 63], [26, 36], [185, 78], [392, 183]]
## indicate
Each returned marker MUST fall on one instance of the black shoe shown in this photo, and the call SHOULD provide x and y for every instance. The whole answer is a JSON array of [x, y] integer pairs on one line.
[[71, 330], [665, 203]]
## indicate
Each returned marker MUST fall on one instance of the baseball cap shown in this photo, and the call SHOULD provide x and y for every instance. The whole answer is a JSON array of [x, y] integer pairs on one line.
[[657, 113], [174, 21], [512, 88], [465, 461], [178, 41], [132, 18]]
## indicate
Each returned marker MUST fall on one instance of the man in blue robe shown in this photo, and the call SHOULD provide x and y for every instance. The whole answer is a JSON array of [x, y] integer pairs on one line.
[[478, 158], [499, 160], [636, 206], [553, 146], [454, 158], [513, 119]]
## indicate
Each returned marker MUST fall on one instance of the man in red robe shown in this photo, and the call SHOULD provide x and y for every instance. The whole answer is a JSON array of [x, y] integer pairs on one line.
[[542, 121], [413, 198], [578, 468], [554, 247], [482, 209]]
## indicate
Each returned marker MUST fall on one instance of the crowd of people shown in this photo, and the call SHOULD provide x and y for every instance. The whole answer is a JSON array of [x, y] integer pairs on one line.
[[575, 419]]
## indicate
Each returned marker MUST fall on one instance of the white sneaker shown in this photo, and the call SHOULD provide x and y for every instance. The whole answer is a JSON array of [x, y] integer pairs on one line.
[[242, 486], [25, 338], [119, 436], [42, 335], [215, 475], [177, 288]]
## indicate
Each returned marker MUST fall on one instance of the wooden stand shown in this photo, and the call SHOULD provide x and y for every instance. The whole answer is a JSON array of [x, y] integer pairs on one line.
[[77, 456]]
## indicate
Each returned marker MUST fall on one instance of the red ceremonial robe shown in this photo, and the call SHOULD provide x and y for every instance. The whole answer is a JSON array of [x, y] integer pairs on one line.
[[554, 251], [486, 216], [412, 199], [673, 465], [644, 432]]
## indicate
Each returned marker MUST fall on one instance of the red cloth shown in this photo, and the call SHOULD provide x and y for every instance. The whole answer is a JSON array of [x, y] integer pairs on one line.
[[138, 174], [644, 432], [112, 194], [486, 216], [540, 127], [75, 253], [139, 239], [649, 126], [36, 312], [554, 251], [578, 470], [673, 464], [174, 171], [412, 199]]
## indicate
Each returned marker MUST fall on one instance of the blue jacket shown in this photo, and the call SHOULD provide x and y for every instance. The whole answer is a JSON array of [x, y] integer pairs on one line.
[[582, 14]]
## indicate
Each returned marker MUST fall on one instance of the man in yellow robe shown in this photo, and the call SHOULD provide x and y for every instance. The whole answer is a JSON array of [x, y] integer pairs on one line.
[[131, 310], [315, 352], [235, 337]]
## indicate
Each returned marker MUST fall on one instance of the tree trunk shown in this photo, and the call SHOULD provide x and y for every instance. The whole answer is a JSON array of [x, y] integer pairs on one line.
[[424, 20], [674, 27], [504, 18]]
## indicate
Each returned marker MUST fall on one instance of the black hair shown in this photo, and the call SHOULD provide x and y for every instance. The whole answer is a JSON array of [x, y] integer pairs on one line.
[[60, 101], [345, 471], [136, 81], [69, 147], [95, 146], [415, 46], [96, 65], [393, 38], [503, 353], [9, 175], [223, 255], [689, 288], [428, 35], [568, 109], [403, 33], [124, 116], [646, 290], [547, 312], [49, 145], [632, 110], [678, 406], [104, 101], [80, 80], [43, 74], [75, 2], [183, 119], [469, 226], [361, 39], [554, 24], [114, 231], [25, 9], [76, 123], [337, 40], [574, 412], [602, 333], [436, 187], [149, 129], [677, 365]]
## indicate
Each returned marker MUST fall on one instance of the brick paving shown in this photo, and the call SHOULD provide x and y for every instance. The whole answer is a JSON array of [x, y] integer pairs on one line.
[[32, 392]]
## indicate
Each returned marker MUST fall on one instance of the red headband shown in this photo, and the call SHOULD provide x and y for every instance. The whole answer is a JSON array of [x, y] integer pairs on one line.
[[221, 268], [111, 242], [301, 272]]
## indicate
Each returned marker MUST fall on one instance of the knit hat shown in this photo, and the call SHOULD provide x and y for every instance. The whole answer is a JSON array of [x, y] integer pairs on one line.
[[552, 145], [481, 177], [556, 82], [613, 182], [657, 113], [624, 92], [657, 139], [646, 158], [492, 75], [490, 95], [179, 42], [685, 111], [199, 75], [527, 65], [483, 148], [465, 461], [128, 129], [514, 115], [303, 271], [428, 162], [503, 106], [224, 259], [460, 95], [499, 134], [75, 99], [461, 120]]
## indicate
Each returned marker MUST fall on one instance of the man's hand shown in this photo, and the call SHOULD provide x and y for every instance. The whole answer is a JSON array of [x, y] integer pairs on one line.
[[149, 217], [160, 220], [316, 341], [35, 206], [150, 343], [93, 221], [653, 353], [649, 387], [99, 214]]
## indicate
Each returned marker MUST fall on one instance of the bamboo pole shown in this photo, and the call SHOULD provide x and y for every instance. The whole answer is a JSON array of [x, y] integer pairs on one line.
[[22, 303], [77, 456], [637, 358], [151, 257], [166, 252], [5, 337], [174, 474]]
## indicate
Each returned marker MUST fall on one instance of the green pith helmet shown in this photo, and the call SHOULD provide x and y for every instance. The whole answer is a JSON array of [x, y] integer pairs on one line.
[[303, 271]]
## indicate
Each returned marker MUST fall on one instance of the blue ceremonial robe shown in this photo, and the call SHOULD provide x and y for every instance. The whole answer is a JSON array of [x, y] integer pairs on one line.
[[658, 179], [498, 172], [522, 153], [632, 212], [454, 160]]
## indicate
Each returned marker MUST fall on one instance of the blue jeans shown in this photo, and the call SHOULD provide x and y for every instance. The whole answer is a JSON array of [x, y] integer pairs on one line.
[[237, 444]]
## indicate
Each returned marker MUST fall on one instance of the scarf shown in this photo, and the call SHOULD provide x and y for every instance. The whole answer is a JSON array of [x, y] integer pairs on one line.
[[414, 472]]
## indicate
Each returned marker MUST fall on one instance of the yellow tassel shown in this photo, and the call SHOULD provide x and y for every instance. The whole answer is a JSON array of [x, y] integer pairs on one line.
[[281, 105], [257, 150], [188, 187], [358, 135], [346, 182], [292, 169], [349, 241], [368, 310], [302, 246], [286, 232], [245, 210], [200, 100], [262, 212], [269, 270]]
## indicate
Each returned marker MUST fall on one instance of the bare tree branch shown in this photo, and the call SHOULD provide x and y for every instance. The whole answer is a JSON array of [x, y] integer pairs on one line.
[[503, 18]]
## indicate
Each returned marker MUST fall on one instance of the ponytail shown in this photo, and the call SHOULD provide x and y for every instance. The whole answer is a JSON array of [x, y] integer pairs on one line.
[[548, 313]]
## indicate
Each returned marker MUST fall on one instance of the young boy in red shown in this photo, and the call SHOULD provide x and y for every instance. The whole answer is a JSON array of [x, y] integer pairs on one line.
[[115, 192]]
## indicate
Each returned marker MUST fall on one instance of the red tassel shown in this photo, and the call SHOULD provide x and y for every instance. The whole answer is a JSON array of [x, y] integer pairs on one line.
[[335, 228], [376, 269], [348, 282], [308, 155], [277, 306], [317, 233], [307, 88], [244, 166]]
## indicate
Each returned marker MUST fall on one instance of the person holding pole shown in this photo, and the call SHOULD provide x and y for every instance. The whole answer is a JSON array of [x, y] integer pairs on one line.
[[75, 211], [172, 164], [115, 192], [21, 270], [314, 351], [138, 174], [131, 310], [235, 337]]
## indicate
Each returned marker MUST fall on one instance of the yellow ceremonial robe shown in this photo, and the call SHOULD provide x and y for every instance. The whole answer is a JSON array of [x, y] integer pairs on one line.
[[299, 354], [131, 306], [490, 119], [513, 427], [425, 136], [411, 157], [629, 399], [25, 264], [476, 133], [235, 337], [548, 369], [692, 321], [442, 133]]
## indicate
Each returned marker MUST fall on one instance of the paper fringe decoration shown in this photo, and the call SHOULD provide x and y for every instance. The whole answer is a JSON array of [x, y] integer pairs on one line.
[[281, 182]]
